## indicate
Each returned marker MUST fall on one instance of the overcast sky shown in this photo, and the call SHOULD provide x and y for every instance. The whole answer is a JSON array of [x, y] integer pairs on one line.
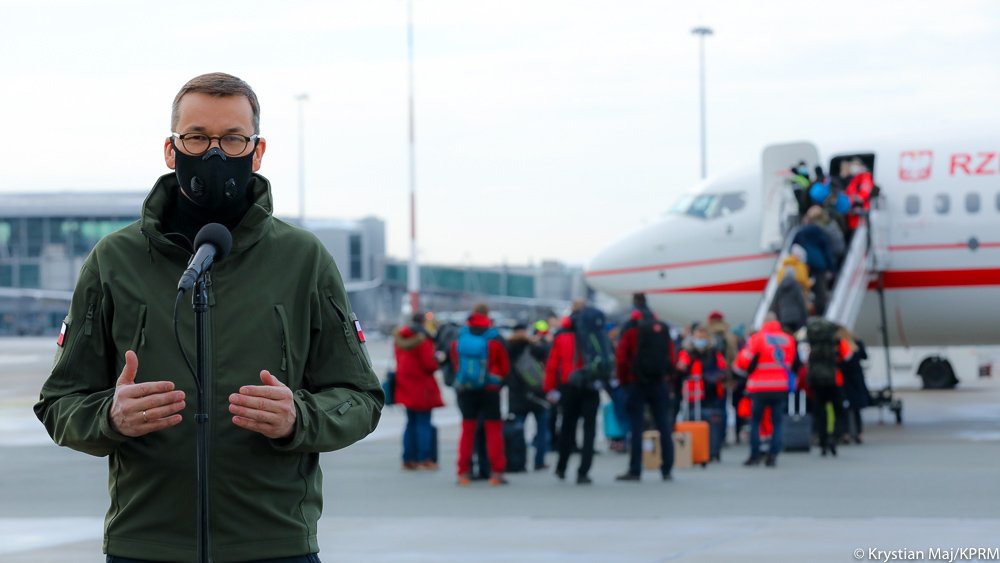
[[545, 128]]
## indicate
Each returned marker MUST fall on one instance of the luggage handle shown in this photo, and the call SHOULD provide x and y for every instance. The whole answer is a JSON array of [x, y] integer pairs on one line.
[[687, 405]]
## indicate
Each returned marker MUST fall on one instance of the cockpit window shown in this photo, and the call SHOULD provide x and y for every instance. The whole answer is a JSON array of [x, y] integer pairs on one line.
[[710, 206]]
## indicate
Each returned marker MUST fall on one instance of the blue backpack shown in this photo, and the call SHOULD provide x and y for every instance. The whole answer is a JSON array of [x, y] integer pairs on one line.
[[473, 360]]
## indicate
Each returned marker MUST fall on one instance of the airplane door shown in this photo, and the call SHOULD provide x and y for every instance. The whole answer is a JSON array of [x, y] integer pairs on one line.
[[778, 205]]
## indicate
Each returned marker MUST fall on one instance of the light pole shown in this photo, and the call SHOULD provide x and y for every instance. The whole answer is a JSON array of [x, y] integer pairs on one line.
[[701, 32], [302, 99], [413, 272]]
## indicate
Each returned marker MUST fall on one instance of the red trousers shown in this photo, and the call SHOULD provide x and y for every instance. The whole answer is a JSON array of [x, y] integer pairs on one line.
[[494, 446]]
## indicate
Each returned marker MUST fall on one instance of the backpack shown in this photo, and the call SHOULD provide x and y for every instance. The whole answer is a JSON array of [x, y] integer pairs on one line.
[[654, 350], [473, 360], [447, 334], [530, 370], [822, 337], [592, 346]]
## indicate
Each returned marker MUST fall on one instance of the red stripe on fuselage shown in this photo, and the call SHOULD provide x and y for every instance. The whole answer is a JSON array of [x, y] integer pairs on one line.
[[755, 286], [675, 265], [902, 279], [943, 279]]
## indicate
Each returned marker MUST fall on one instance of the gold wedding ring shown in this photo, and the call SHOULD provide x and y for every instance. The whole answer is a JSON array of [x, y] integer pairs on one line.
[[144, 419]]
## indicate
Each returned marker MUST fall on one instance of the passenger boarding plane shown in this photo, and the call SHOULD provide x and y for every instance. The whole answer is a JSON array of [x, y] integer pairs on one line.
[[934, 245]]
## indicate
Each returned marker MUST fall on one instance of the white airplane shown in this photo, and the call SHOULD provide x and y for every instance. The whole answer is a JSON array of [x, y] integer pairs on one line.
[[935, 244]]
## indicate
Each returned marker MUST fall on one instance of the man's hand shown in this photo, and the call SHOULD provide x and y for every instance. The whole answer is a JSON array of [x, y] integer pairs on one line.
[[267, 409], [140, 408]]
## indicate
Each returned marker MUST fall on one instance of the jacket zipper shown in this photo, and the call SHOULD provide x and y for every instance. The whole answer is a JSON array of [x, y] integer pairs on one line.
[[280, 312], [88, 323], [344, 407]]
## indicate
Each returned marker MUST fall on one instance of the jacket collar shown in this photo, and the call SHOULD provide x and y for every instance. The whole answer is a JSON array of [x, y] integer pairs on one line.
[[246, 234]]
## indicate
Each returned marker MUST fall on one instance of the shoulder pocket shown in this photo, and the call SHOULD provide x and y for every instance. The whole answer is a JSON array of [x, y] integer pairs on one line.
[[351, 328], [64, 355]]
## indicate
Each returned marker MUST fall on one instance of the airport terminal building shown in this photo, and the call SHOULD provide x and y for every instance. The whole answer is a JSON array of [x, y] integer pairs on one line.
[[45, 237]]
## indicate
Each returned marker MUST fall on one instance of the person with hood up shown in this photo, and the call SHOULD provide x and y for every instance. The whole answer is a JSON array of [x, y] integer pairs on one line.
[[796, 260], [418, 391], [789, 303], [482, 363]]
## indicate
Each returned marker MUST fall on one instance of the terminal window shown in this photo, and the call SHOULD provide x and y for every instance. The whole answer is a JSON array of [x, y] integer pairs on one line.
[[355, 256]]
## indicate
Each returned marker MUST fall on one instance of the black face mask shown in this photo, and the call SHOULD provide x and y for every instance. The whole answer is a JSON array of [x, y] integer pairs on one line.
[[214, 181]]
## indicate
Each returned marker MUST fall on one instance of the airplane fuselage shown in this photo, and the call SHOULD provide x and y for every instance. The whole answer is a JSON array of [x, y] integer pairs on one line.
[[938, 225]]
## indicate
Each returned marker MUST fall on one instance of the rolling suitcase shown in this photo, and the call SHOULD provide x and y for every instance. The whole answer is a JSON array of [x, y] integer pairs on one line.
[[514, 445], [612, 427], [698, 429], [798, 427]]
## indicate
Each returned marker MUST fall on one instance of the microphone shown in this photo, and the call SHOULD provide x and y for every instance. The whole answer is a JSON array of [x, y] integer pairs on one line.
[[213, 243]]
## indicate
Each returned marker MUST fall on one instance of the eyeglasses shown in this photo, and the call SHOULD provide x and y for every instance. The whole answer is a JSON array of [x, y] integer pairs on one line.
[[233, 144]]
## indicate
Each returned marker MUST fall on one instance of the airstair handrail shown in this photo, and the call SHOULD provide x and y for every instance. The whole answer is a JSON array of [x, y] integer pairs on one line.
[[852, 280]]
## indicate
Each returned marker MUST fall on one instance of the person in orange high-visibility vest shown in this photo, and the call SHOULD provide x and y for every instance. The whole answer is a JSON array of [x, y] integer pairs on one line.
[[767, 360]]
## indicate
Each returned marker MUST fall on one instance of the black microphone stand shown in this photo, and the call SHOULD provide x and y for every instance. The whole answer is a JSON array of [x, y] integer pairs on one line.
[[200, 302]]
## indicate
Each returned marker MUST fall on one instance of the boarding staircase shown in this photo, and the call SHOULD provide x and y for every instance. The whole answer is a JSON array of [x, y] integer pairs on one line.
[[852, 280]]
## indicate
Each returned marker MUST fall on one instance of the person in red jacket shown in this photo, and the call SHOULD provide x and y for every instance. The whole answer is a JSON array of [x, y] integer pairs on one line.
[[643, 360], [859, 191], [772, 354], [482, 363], [418, 391], [574, 402], [703, 368]]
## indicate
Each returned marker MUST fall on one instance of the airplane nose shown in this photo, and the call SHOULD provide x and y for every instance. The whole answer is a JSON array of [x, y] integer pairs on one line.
[[626, 256]]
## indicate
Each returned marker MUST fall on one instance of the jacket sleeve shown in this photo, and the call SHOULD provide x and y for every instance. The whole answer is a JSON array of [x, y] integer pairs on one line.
[[426, 356], [499, 361], [624, 354], [341, 400], [683, 364], [552, 369], [743, 359], [76, 398]]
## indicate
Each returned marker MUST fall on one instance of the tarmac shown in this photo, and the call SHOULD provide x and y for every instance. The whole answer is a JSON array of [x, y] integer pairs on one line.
[[930, 484]]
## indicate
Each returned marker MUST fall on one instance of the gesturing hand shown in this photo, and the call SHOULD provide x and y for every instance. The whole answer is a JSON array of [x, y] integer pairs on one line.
[[140, 408], [267, 409]]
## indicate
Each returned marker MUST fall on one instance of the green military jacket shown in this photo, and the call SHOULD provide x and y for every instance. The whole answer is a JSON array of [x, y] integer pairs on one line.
[[277, 302]]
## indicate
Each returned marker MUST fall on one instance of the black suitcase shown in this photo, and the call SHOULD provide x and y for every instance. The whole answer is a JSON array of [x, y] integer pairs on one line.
[[798, 428], [514, 446]]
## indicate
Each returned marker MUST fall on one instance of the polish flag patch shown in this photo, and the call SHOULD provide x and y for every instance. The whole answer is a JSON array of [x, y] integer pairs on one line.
[[361, 333], [62, 335]]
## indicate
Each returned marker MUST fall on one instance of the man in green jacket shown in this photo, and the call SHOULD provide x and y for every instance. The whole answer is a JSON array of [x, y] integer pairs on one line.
[[289, 375]]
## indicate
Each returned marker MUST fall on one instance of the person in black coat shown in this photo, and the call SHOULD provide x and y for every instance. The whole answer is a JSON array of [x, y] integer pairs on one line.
[[819, 255], [855, 389], [790, 303], [524, 389]]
